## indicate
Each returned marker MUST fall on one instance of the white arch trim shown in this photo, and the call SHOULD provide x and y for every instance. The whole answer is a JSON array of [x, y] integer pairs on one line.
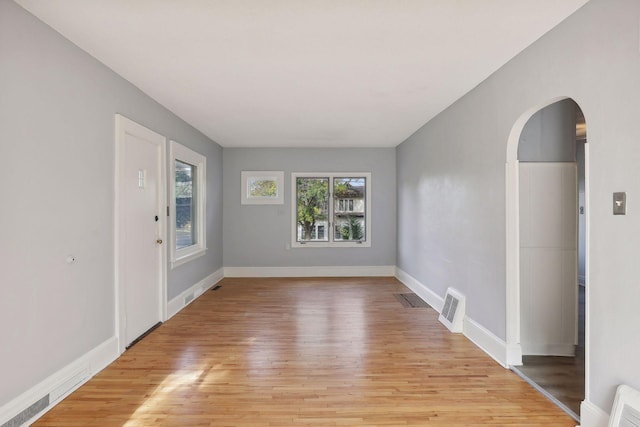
[[514, 348]]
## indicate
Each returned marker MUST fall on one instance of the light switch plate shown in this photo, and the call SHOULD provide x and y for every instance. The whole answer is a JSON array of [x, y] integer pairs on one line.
[[620, 203]]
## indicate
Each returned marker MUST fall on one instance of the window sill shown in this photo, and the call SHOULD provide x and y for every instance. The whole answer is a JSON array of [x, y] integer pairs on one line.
[[333, 245], [183, 259]]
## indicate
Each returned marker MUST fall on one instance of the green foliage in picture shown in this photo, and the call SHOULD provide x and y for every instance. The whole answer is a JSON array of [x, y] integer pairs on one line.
[[266, 187]]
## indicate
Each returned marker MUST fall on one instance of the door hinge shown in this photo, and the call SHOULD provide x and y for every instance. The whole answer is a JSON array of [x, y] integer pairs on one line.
[[167, 210]]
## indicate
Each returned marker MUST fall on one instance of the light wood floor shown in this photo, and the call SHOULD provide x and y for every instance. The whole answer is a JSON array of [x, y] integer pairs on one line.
[[301, 352]]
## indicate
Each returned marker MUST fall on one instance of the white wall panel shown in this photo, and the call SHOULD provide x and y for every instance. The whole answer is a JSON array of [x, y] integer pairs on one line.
[[548, 258]]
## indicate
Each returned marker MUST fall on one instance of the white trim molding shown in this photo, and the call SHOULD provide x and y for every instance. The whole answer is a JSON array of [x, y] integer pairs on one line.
[[124, 127], [319, 271], [486, 341], [247, 178], [184, 154], [476, 333], [592, 416], [514, 354], [430, 297], [188, 296], [63, 382], [331, 241], [545, 349]]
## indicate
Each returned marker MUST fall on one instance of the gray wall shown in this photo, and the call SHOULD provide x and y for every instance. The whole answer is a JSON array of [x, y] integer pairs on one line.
[[451, 182], [258, 235], [57, 107], [550, 134]]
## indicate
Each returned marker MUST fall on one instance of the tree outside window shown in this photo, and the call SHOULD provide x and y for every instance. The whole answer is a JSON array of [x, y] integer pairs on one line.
[[331, 209]]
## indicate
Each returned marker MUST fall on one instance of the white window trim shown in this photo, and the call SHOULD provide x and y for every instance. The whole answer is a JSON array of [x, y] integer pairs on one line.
[[179, 152], [330, 230]]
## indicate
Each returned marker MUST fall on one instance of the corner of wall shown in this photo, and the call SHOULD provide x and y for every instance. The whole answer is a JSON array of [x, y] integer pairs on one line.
[[420, 289], [188, 296]]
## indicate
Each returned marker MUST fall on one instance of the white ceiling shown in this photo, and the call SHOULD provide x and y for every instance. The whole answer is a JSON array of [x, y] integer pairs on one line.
[[318, 73]]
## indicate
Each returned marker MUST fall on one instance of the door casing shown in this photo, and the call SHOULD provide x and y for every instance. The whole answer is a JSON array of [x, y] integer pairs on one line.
[[512, 197], [123, 128]]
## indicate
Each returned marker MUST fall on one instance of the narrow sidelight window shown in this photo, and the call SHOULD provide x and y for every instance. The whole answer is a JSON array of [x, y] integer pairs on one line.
[[186, 225], [187, 202]]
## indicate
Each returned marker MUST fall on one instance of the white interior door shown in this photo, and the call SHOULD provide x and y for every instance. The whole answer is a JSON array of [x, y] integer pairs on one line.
[[548, 258], [140, 223]]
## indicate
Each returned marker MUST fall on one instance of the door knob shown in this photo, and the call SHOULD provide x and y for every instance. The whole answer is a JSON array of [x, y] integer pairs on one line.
[[159, 241]]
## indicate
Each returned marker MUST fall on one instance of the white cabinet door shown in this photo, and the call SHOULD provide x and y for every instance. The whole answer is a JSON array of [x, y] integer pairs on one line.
[[548, 258]]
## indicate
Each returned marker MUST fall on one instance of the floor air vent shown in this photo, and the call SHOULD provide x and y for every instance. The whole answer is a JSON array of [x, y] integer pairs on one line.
[[453, 311], [410, 300]]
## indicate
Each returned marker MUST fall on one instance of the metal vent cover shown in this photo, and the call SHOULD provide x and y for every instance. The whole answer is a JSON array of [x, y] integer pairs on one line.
[[452, 314], [630, 417], [188, 298], [626, 408], [28, 413], [450, 307], [411, 300]]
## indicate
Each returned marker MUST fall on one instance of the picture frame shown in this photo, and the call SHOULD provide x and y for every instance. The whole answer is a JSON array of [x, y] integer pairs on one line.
[[262, 188]]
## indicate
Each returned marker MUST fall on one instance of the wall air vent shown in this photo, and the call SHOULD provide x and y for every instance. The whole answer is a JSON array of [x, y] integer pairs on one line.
[[188, 299], [58, 392], [28, 413], [452, 314]]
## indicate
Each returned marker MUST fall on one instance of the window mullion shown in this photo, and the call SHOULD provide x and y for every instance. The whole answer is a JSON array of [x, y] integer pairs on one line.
[[331, 207]]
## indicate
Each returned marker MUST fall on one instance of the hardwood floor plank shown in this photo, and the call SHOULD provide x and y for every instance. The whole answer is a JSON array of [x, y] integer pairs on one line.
[[305, 352]]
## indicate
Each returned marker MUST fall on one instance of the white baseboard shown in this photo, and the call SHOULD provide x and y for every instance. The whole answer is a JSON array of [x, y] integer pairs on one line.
[[321, 271], [187, 297], [592, 416], [486, 341], [483, 338], [430, 297], [60, 384], [538, 349], [514, 355]]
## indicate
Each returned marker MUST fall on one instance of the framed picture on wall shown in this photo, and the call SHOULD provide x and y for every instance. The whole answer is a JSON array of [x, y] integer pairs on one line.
[[262, 188]]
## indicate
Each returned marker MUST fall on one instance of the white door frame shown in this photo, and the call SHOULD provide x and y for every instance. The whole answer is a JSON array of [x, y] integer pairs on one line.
[[123, 127], [512, 177]]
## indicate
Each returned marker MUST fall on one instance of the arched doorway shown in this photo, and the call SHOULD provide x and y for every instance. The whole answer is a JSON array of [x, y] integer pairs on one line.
[[546, 276]]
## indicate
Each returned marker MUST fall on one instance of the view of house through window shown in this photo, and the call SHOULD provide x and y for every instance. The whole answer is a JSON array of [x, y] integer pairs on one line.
[[349, 216], [331, 208], [185, 204]]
